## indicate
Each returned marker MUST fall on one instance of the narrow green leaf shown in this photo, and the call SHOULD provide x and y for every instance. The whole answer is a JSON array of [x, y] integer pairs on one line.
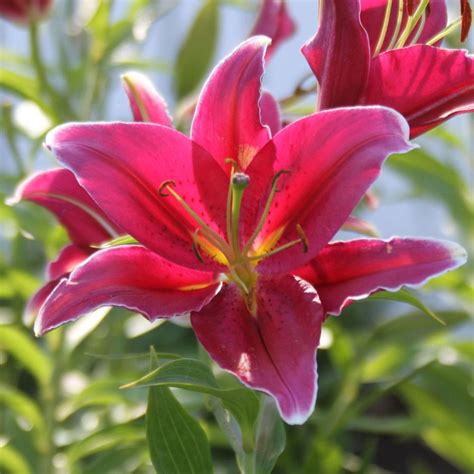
[[20, 346], [12, 461], [177, 443], [405, 296], [197, 49]]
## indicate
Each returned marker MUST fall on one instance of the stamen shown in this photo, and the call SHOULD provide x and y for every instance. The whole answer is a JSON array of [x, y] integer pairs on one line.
[[163, 185], [419, 30], [210, 234], [410, 7], [235, 164], [445, 32], [398, 25], [411, 23], [383, 31], [266, 210], [292, 243], [196, 246], [466, 14], [302, 236]]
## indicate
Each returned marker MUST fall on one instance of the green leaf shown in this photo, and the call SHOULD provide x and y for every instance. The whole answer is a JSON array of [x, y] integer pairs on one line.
[[270, 437], [197, 49], [22, 347], [12, 461], [177, 443], [193, 375], [405, 296]]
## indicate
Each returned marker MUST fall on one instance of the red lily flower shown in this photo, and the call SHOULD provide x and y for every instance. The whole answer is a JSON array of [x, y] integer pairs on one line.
[[23, 11], [58, 191], [359, 59], [230, 220]]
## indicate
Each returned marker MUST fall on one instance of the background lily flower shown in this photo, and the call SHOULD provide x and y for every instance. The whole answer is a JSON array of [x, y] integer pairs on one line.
[[58, 191], [24, 11], [225, 221], [374, 52]]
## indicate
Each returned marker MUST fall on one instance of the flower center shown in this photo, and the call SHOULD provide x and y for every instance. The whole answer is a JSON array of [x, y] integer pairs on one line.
[[241, 259]]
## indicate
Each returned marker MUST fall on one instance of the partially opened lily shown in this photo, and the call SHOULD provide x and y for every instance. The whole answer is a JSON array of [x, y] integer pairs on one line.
[[58, 191], [231, 221], [375, 52]]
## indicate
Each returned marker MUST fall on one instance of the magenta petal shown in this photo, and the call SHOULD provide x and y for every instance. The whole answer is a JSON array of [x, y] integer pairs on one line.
[[146, 104], [123, 166], [273, 351], [275, 22], [373, 13], [67, 260], [131, 277], [332, 158], [58, 191], [270, 112], [339, 54], [37, 300], [427, 85], [352, 270], [227, 119]]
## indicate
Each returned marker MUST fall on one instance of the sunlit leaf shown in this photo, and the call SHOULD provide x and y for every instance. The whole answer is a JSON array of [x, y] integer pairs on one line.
[[197, 49], [12, 461]]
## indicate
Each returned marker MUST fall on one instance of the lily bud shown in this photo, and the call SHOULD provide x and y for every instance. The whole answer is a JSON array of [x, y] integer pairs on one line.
[[24, 11]]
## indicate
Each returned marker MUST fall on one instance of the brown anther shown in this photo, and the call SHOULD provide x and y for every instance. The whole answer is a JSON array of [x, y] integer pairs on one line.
[[235, 164], [410, 7], [302, 236], [275, 179], [163, 185], [466, 14], [196, 246]]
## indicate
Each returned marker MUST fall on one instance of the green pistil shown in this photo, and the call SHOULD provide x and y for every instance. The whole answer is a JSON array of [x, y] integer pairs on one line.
[[240, 181]]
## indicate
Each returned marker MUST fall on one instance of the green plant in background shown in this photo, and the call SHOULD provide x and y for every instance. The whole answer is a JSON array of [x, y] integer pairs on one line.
[[394, 389]]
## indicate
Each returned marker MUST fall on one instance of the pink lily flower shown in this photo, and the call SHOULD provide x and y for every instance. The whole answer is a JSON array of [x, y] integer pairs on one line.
[[360, 59], [23, 11], [59, 192], [229, 221]]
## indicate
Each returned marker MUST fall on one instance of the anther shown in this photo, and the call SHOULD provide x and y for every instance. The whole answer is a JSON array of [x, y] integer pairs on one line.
[[196, 246], [275, 179], [466, 14], [302, 236], [163, 185]]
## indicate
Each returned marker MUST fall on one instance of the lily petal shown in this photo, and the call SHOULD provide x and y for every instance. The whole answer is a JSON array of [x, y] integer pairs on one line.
[[339, 54], [427, 85], [332, 158], [37, 300], [373, 13], [58, 191], [227, 120], [68, 259], [132, 277], [346, 271], [270, 112], [275, 22], [123, 166], [146, 103], [273, 351]]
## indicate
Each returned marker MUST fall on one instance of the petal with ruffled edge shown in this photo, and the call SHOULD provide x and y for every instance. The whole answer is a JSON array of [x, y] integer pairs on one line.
[[339, 54], [131, 277], [427, 85], [227, 119], [373, 12], [273, 351], [146, 104], [68, 259], [58, 191], [275, 22], [352, 270], [331, 159], [123, 165]]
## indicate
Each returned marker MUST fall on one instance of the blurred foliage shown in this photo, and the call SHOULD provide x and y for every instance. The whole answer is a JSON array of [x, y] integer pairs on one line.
[[395, 387]]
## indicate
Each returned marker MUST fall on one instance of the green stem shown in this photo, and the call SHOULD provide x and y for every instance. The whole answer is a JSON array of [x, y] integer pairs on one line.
[[10, 134]]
